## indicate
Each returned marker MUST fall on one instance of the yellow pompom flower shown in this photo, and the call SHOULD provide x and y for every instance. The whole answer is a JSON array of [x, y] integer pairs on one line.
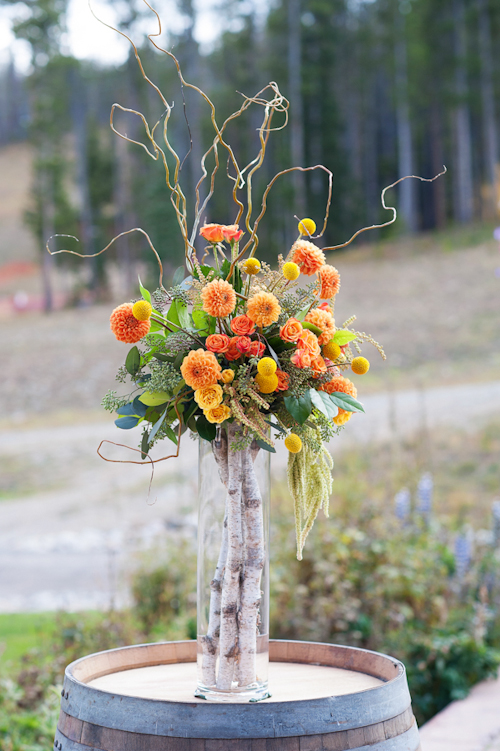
[[360, 365], [342, 417], [331, 350], [251, 266], [307, 227], [267, 384], [293, 443], [227, 375], [291, 271], [142, 310], [218, 414], [266, 366], [208, 397]]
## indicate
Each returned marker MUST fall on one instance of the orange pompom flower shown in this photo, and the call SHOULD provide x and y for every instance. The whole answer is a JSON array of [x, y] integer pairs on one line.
[[329, 279], [125, 325], [219, 298], [200, 368], [307, 256], [242, 326], [283, 380], [291, 331], [339, 383], [263, 308], [324, 320]]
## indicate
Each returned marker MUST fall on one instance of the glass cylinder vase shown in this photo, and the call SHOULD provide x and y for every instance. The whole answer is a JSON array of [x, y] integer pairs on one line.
[[233, 569]]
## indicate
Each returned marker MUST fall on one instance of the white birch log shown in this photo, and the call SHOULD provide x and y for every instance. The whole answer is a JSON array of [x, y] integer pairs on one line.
[[210, 642], [254, 560], [228, 640]]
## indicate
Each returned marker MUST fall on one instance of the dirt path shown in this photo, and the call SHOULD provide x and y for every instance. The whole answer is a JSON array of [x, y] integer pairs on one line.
[[72, 526]]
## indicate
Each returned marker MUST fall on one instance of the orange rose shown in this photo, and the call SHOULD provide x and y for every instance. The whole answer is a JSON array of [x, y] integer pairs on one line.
[[217, 342], [301, 358], [257, 349], [243, 344], [283, 379], [309, 341], [213, 233], [232, 233], [232, 353], [291, 331], [318, 365], [242, 325]]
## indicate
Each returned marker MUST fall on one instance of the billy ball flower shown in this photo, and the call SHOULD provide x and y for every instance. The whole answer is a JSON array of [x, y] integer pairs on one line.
[[267, 384], [263, 308], [125, 325], [200, 368], [251, 266], [329, 282], [266, 366], [291, 271], [209, 397], [142, 310], [331, 350], [360, 365], [307, 227], [219, 298], [307, 256], [293, 443]]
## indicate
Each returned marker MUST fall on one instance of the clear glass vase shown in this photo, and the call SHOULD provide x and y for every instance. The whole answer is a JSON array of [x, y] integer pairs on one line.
[[233, 570]]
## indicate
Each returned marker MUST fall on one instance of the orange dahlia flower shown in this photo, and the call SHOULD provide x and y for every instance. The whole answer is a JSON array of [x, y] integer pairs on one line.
[[291, 331], [307, 256], [263, 308], [125, 325], [339, 383], [200, 368], [219, 298], [324, 320], [329, 279], [309, 341], [242, 325]]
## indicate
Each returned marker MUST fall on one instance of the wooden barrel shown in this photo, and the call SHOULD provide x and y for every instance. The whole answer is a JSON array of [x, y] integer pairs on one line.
[[324, 698]]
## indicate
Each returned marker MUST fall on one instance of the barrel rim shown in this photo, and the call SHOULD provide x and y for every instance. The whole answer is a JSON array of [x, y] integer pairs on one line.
[[292, 718]]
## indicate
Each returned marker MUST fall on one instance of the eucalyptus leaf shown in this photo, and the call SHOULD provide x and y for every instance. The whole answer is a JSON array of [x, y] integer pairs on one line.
[[144, 444], [178, 276], [144, 292], [343, 336], [140, 407], [133, 361], [128, 422], [347, 402], [206, 430], [127, 409], [299, 407], [157, 426]]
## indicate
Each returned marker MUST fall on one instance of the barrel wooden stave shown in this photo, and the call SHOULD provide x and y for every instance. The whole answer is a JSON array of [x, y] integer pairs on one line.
[[92, 720]]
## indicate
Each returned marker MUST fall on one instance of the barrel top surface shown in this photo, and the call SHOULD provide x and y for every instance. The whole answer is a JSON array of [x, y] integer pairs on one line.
[[387, 696], [288, 681]]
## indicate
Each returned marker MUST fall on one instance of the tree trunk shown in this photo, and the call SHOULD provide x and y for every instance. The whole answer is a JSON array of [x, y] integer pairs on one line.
[[296, 106], [407, 189], [463, 180], [490, 143]]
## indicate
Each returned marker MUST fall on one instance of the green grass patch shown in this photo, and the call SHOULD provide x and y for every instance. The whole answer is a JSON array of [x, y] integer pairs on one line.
[[20, 632]]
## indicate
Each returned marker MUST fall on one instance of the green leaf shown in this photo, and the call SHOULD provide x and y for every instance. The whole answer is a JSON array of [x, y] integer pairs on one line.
[[126, 423], [201, 322], [279, 345], [189, 411], [140, 407], [206, 430], [178, 276], [127, 409], [183, 314], [155, 326], [144, 444], [315, 329], [344, 401], [263, 445], [154, 398], [133, 361], [191, 423], [144, 292], [321, 400], [343, 336], [299, 408], [302, 313], [276, 427], [163, 357], [157, 426], [172, 314]]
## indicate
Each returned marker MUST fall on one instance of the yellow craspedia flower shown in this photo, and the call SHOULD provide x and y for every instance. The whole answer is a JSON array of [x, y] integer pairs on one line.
[[291, 271], [227, 375], [307, 227], [360, 365], [141, 310], [293, 443], [218, 414], [331, 350], [267, 384], [266, 366], [251, 266], [208, 397], [342, 417]]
